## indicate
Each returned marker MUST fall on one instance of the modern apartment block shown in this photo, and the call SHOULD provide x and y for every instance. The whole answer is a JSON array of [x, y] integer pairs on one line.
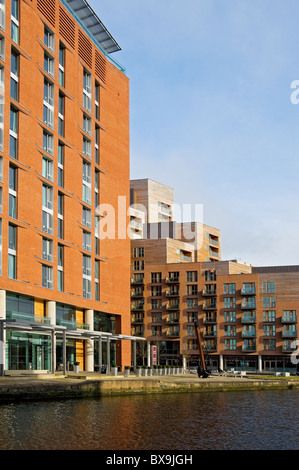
[[247, 315], [64, 151]]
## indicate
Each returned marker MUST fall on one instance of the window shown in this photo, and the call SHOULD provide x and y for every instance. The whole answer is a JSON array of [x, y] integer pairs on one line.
[[269, 315], [86, 182], [49, 38], [156, 304], [61, 115], [192, 303], [269, 330], [14, 76], [86, 240], [49, 64], [97, 101], [192, 289], [86, 124], [60, 268], [229, 288], [13, 134], [229, 330], [269, 344], [96, 232], [48, 142], [229, 317], [47, 276], [86, 277], [60, 215], [1, 199], [96, 280], [138, 252], [61, 65], [12, 251], [191, 276], [2, 42], [86, 217], [2, 14], [230, 344], [268, 287], [12, 192], [138, 265], [210, 275], [60, 165], [86, 90], [229, 302], [96, 188], [269, 302], [87, 147], [47, 249], [96, 145], [155, 278], [47, 209], [47, 168], [48, 116], [15, 21], [156, 291]]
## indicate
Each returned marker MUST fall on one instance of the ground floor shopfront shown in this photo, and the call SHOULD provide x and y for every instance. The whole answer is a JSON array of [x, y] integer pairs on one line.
[[43, 335]]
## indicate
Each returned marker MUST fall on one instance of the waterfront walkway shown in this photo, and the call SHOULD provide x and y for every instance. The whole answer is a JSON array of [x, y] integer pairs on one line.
[[49, 386]]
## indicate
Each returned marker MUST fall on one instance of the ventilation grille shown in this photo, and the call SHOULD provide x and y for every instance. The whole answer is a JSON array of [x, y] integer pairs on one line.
[[47, 8], [85, 49], [100, 67], [67, 28]]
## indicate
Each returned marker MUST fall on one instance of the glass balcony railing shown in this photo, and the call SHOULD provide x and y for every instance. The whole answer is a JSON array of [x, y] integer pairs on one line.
[[72, 324], [27, 317]]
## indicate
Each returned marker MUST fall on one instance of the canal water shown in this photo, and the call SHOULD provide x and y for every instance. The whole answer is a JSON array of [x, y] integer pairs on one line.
[[255, 420]]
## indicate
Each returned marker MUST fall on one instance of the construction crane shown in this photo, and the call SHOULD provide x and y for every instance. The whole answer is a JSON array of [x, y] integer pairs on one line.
[[202, 372]]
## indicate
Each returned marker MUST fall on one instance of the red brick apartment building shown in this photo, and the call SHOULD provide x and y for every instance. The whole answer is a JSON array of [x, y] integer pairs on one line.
[[247, 315], [64, 150]]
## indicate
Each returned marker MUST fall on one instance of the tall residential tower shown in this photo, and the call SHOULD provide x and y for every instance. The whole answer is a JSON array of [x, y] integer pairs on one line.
[[64, 151]]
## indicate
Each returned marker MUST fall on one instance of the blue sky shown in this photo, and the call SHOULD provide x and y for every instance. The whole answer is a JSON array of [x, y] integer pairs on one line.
[[211, 114]]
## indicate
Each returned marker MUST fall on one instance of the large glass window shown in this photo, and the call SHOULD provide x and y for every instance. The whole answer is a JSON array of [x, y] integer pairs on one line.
[[12, 251], [86, 182], [49, 38], [48, 116], [47, 276], [60, 268], [87, 90], [87, 277], [12, 191], [14, 75], [13, 134], [15, 21]]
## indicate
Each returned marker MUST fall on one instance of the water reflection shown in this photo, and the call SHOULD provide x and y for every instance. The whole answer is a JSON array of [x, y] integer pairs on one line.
[[190, 421]]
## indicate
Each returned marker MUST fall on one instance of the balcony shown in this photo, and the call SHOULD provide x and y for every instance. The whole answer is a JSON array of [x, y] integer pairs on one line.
[[137, 308], [248, 319], [210, 334], [139, 332], [135, 294], [210, 347], [249, 347], [173, 333], [214, 254], [289, 334], [213, 241], [137, 319], [210, 319], [172, 293], [248, 291], [247, 305], [173, 306], [248, 334], [137, 281], [209, 292], [209, 306], [172, 280], [289, 319], [173, 319]]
